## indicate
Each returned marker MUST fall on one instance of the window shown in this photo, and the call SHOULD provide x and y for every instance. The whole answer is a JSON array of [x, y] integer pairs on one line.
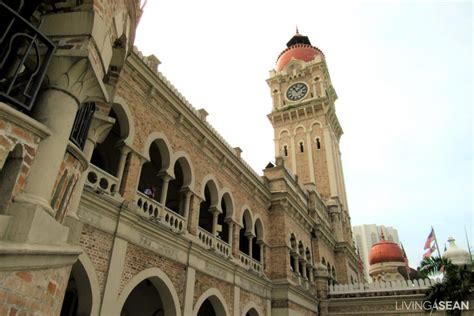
[[318, 143], [301, 147], [82, 123], [285, 150]]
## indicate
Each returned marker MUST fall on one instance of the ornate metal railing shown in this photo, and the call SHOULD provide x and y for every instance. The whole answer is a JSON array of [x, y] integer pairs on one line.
[[25, 54], [82, 122]]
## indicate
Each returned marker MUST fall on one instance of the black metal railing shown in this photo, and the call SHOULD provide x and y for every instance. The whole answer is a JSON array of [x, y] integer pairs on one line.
[[25, 54], [82, 123]]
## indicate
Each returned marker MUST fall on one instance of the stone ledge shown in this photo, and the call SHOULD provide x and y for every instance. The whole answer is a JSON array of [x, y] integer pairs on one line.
[[18, 256]]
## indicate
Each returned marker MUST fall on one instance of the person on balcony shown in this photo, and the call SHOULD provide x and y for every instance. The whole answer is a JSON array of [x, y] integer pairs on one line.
[[150, 192]]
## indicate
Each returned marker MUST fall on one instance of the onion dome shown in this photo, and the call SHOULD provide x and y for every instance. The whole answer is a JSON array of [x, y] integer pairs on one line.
[[300, 48], [385, 251], [458, 256]]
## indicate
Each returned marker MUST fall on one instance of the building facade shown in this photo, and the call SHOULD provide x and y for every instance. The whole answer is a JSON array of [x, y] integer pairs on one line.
[[367, 235], [119, 198]]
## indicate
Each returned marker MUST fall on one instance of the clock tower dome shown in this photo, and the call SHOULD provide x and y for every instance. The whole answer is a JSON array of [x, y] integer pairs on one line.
[[306, 127]]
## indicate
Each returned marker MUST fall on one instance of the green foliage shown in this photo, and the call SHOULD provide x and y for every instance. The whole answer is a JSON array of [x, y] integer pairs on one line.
[[454, 285]]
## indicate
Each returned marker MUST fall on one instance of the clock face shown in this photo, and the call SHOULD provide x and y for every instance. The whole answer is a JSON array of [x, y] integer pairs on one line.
[[296, 91]]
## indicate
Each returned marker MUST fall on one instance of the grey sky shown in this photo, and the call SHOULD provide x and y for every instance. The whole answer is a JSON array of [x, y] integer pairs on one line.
[[403, 74]]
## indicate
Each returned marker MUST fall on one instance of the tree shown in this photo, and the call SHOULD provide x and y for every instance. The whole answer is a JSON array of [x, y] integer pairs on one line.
[[454, 286]]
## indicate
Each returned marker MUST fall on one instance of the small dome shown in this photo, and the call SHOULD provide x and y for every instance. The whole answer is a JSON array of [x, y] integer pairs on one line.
[[458, 256], [300, 48], [385, 251]]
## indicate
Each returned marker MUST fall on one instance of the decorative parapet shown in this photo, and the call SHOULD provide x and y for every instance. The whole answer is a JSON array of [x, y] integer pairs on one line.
[[381, 288], [153, 67]]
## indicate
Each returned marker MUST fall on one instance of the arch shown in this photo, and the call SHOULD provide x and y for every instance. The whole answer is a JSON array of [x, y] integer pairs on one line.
[[163, 144], [181, 181], [251, 309], [82, 295], [125, 117], [282, 132], [301, 248], [259, 229], [245, 232], [314, 123], [226, 217], [297, 129], [188, 169], [293, 243], [217, 300], [88, 267], [227, 197], [163, 285], [209, 178], [247, 214], [208, 206]]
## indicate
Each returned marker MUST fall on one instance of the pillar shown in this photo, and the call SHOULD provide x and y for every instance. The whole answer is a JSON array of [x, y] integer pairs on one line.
[[119, 175], [303, 265], [296, 264], [187, 203], [193, 218], [57, 110]]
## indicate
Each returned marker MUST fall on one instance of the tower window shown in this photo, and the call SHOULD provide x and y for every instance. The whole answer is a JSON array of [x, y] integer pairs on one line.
[[301, 147], [285, 150], [318, 143]]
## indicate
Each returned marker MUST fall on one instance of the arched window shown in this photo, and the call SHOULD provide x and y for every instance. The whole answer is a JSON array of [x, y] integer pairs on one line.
[[153, 172], [285, 150], [301, 147], [245, 232], [257, 246], [224, 218], [293, 251], [208, 206], [176, 196], [318, 143]]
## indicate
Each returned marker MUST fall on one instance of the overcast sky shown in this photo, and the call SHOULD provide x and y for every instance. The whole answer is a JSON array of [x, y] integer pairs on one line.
[[403, 74]]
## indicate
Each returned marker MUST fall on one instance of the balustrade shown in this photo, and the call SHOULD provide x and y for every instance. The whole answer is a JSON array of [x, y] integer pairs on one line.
[[100, 180], [250, 263], [157, 213]]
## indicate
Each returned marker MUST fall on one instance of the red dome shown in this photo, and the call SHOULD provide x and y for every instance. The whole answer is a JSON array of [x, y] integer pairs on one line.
[[385, 251], [304, 52]]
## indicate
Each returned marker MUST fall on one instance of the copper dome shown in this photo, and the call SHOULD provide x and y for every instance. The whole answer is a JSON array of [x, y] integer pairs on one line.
[[385, 251], [300, 48]]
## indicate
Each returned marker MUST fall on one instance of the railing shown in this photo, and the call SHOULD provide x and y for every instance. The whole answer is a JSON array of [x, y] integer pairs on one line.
[[250, 263], [25, 54], [100, 180], [222, 247], [153, 210], [381, 287], [173, 220], [206, 238]]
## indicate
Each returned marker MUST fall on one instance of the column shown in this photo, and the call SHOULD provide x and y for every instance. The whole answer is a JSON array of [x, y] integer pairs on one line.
[[230, 236], [187, 203], [236, 240], [311, 273], [57, 110], [303, 265], [296, 264], [309, 150], [124, 150], [164, 189], [215, 213], [250, 237], [193, 220]]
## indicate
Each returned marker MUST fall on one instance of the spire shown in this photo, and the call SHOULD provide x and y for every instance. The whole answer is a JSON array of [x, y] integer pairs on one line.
[[298, 39], [297, 33]]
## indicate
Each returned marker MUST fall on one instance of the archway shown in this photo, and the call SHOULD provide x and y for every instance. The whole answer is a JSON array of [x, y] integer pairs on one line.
[[151, 176], [257, 243], [211, 303], [175, 198], [224, 218], [208, 206], [251, 312], [150, 292], [245, 233], [78, 299]]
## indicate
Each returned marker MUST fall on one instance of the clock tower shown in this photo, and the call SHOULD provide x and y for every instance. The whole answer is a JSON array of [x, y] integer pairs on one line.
[[306, 127]]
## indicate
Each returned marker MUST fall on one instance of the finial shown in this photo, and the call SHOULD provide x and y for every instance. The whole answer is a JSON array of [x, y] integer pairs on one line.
[[297, 33], [382, 235]]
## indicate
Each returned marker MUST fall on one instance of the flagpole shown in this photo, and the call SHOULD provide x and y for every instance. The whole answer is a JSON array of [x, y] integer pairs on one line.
[[468, 246], [436, 241]]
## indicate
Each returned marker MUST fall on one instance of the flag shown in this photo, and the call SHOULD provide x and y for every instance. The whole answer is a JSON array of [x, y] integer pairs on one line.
[[430, 251], [430, 239]]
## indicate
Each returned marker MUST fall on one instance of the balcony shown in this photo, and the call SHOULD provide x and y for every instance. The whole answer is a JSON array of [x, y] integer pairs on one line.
[[100, 180], [153, 210], [250, 263], [212, 242], [25, 54]]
